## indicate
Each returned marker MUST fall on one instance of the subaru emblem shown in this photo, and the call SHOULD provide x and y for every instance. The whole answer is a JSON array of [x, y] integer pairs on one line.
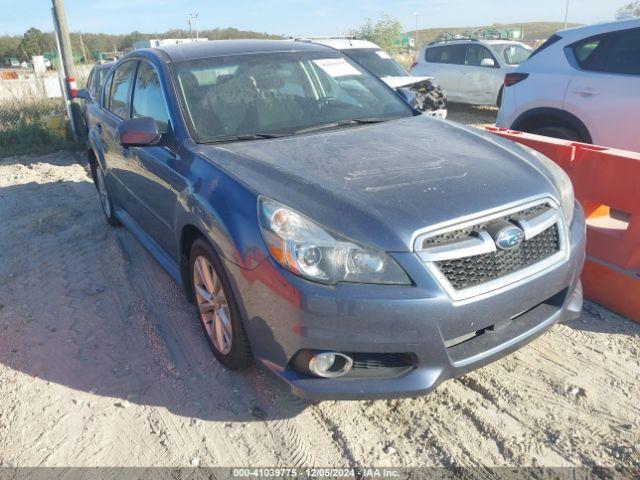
[[509, 237]]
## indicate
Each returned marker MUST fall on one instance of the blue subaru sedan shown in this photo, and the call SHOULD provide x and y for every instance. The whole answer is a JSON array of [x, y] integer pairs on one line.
[[323, 228]]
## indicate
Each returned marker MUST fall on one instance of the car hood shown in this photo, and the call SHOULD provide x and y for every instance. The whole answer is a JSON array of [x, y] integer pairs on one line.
[[400, 82], [380, 183]]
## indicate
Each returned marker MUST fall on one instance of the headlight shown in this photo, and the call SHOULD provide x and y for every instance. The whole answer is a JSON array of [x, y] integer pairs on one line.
[[561, 181], [313, 252]]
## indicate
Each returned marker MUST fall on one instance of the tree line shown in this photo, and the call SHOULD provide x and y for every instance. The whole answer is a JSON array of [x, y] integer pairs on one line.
[[36, 42], [385, 32]]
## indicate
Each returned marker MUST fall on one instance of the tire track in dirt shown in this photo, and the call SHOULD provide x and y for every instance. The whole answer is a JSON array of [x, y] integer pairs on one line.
[[107, 365]]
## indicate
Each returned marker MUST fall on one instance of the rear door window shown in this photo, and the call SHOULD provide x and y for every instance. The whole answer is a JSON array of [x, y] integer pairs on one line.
[[454, 54], [122, 79], [623, 56], [433, 55], [615, 52]]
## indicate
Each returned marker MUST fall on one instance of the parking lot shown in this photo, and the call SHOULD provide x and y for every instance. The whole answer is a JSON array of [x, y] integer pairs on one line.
[[103, 363]]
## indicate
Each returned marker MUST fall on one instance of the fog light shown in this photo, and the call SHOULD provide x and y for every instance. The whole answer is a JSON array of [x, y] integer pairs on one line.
[[324, 362], [330, 364]]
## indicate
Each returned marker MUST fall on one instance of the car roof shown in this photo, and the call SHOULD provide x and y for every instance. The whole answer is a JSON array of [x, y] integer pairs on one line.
[[467, 41], [103, 66], [340, 43], [598, 28], [219, 48]]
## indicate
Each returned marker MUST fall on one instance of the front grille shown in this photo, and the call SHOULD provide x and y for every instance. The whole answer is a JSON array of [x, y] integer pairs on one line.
[[471, 271], [464, 272], [461, 233]]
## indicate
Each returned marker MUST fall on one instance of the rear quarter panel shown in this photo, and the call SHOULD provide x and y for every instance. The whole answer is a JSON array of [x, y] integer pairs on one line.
[[546, 86]]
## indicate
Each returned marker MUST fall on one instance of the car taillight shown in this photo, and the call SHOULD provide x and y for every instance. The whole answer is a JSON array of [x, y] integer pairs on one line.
[[513, 78], [413, 64]]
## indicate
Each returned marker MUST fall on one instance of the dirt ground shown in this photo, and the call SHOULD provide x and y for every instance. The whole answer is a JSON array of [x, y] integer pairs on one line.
[[102, 363], [471, 114]]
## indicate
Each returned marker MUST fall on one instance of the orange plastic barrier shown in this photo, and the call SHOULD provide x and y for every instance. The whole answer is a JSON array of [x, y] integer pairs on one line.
[[607, 184]]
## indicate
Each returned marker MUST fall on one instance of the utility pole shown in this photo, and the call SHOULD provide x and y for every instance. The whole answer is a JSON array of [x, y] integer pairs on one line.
[[84, 52], [566, 16], [194, 17], [65, 39], [416, 35], [66, 54]]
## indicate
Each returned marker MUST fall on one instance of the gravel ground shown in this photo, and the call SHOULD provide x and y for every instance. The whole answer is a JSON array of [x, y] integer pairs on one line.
[[471, 114], [102, 363]]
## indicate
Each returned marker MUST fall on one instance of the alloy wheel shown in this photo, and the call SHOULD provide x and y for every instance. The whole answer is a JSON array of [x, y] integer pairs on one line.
[[212, 305]]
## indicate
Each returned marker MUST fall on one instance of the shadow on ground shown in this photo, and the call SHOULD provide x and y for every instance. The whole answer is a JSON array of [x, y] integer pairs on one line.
[[83, 305]]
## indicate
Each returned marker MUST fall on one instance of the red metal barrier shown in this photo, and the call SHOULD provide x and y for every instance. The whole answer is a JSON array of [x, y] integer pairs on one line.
[[607, 184]]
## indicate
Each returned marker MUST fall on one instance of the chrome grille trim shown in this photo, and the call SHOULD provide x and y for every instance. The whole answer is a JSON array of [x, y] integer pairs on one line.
[[537, 225], [532, 224], [467, 247]]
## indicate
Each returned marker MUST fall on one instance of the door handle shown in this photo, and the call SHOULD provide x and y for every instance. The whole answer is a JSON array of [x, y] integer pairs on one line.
[[585, 92]]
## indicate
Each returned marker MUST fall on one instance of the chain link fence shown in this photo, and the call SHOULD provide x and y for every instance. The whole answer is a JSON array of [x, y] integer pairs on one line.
[[33, 114]]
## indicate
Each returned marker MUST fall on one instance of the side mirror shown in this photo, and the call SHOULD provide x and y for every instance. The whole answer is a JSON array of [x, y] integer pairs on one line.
[[138, 132], [84, 94], [488, 62]]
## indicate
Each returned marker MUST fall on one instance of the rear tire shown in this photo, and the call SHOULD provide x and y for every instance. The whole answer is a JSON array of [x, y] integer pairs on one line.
[[105, 199], [218, 310], [562, 133]]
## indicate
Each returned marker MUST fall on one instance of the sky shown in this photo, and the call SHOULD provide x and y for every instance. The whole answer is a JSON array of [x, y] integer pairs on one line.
[[292, 17]]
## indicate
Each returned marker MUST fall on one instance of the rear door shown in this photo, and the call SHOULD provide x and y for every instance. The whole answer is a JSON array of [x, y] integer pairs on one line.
[[446, 63], [604, 91]]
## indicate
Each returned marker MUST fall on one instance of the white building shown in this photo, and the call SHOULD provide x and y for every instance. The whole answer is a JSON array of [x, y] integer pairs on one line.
[[159, 42]]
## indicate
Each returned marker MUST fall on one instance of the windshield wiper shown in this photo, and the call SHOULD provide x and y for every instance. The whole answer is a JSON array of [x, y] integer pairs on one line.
[[242, 137], [342, 123]]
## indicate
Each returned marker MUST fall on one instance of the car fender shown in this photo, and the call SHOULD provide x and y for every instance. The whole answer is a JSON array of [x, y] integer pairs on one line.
[[225, 213], [95, 144]]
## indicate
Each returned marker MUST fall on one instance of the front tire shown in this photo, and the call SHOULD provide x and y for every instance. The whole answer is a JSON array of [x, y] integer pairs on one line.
[[217, 308]]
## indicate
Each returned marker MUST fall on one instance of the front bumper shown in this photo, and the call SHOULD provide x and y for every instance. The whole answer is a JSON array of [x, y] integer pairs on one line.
[[285, 314]]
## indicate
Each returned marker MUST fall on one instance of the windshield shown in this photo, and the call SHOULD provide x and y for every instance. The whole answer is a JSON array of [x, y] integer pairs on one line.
[[378, 61], [279, 93], [513, 54]]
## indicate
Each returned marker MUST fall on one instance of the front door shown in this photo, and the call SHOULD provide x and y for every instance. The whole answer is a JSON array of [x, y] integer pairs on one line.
[[156, 178]]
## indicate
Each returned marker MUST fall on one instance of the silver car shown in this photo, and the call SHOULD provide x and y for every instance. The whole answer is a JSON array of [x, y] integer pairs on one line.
[[471, 71]]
